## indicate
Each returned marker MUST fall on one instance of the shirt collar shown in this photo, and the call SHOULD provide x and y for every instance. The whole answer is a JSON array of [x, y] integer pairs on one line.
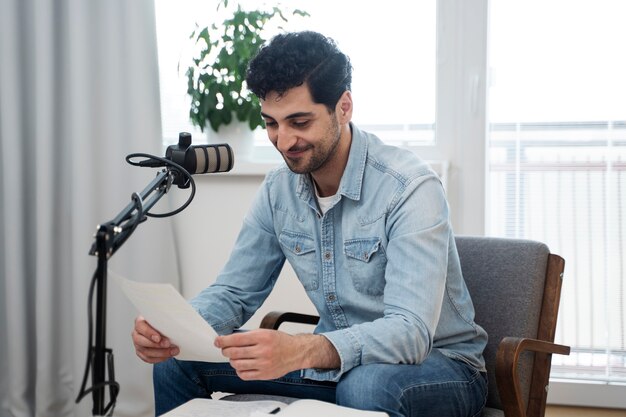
[[352, 178]]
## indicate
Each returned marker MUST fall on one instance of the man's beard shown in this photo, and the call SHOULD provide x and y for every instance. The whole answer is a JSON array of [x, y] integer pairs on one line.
[[322, 152]]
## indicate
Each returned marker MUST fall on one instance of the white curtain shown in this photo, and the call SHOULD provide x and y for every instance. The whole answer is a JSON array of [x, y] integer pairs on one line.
[[78, 91]]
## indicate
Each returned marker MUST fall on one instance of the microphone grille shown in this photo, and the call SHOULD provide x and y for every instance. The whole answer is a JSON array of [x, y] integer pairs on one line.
[[227, 158], [213, 158]]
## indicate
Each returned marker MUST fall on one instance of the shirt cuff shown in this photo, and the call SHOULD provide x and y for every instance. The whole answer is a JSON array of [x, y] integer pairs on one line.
[[349, 349], [224, 328]]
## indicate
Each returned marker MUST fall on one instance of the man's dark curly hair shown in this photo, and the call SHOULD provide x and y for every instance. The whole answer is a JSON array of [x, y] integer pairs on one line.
[[292, 59]]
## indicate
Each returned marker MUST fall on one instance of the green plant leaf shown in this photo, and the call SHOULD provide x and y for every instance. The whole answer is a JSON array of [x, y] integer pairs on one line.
[[210, 100], [204, 34], [243, 109], [215, 120], [255, 120], [227, 117]]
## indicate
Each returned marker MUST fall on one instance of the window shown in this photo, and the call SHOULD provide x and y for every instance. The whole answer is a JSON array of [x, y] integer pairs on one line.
[[557, 162], [393, 82]]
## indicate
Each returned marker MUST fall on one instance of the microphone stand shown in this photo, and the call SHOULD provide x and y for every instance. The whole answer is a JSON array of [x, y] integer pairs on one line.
[[108, 238]]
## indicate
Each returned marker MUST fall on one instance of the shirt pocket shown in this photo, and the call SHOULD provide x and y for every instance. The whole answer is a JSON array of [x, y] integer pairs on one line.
[[299, 249], [366, 262]]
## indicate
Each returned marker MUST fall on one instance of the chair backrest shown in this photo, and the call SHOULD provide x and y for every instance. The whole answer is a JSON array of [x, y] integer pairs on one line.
[[512, 288]]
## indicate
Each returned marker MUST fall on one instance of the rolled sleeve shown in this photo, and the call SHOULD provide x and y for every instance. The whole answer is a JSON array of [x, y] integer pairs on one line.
[[348, 347]]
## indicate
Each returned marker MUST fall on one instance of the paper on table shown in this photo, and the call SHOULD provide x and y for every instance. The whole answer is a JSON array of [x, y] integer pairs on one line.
[[168, 312], [204, 407], [316, 408]]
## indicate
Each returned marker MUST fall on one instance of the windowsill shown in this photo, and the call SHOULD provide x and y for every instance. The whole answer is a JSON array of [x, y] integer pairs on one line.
[[260, 168], [587, 393], [252, 168]]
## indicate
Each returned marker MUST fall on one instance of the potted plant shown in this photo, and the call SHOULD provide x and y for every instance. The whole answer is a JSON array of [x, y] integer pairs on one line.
[[216, 77]]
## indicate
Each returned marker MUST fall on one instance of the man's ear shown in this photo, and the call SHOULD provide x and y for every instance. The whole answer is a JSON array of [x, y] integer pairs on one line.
[[344, 107]]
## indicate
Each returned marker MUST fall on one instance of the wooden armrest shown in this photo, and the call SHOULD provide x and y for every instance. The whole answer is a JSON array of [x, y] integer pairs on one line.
[[507, 359], [274, 319]]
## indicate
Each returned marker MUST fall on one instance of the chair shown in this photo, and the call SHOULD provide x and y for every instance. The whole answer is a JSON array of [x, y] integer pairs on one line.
[[515, 286]]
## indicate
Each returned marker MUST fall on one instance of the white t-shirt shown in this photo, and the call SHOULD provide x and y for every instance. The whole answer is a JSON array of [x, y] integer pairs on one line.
[[324, 202]]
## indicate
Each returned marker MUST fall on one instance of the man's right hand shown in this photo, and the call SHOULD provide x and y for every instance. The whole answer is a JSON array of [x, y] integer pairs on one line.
[[150, 345]]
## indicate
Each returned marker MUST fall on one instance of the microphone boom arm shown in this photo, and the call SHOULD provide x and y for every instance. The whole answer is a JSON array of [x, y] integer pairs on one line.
[[125, 223]]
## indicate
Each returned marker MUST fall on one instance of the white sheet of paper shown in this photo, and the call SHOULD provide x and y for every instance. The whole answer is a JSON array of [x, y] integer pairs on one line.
[[168, 312], [203, 407]]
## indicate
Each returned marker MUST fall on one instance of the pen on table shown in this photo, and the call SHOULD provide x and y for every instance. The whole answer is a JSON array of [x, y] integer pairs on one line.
[[275, 411]]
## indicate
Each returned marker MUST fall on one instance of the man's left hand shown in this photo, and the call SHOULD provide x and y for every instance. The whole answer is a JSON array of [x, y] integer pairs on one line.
[[261, 354], [270, 354]]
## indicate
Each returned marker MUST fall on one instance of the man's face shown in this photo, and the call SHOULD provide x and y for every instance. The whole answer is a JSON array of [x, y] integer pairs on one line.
[[304, 132]]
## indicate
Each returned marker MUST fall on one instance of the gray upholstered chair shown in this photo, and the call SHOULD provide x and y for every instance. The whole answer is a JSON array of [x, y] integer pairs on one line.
[[515, 286]]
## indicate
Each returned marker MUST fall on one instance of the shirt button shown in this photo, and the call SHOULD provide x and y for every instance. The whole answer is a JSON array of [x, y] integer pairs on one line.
[[331, 297], [298, 249], [327, 255]]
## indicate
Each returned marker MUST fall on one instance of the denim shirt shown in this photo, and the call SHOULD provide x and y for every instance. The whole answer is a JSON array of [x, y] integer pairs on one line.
[[380, 266]]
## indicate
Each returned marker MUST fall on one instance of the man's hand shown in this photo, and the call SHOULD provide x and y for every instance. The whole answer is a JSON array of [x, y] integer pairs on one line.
[[150, 345], [269, 354]]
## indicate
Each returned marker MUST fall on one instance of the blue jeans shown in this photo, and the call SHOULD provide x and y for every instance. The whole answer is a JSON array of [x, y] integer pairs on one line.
[[438, 387]]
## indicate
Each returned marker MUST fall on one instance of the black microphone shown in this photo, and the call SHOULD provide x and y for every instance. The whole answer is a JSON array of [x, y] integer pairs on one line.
[[199, 159]]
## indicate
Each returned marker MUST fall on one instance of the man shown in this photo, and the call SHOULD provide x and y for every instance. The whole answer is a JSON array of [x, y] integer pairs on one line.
[[365, 226]]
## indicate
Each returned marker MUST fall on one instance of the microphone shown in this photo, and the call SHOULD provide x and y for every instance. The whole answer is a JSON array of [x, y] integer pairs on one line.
[[199, 159]]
